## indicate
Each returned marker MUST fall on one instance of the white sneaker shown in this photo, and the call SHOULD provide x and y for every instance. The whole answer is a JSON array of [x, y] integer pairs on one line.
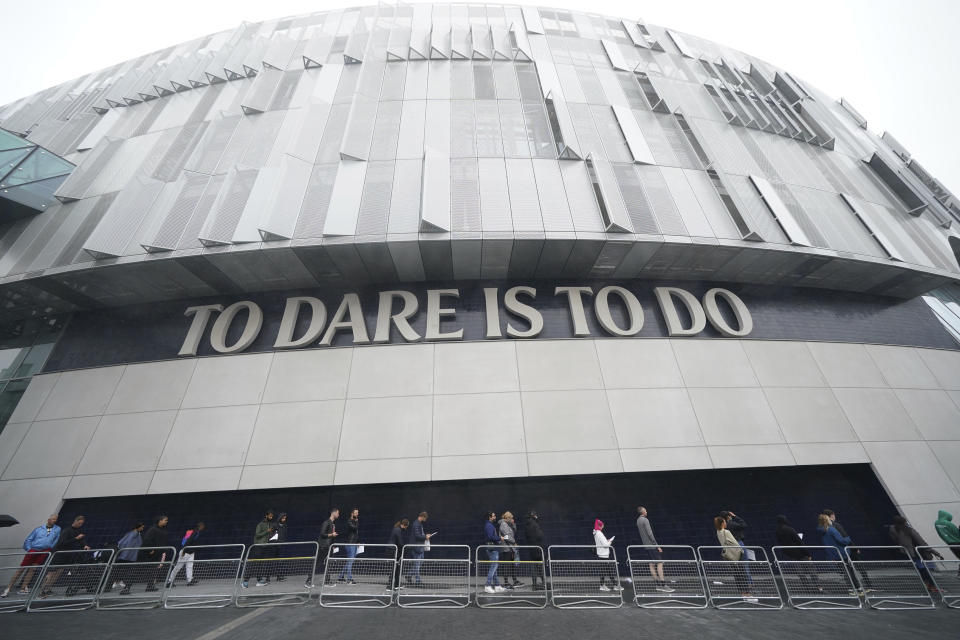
[[604, 587], [665, 589], [498, 589], [618, 588], [261, 584], [488, 589], [5, 593]]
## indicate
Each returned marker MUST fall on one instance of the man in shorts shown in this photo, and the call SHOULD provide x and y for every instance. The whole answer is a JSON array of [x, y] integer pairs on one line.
[[655, 554], [41, 540]]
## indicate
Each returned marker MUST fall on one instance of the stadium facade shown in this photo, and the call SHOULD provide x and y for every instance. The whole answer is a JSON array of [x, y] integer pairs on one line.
[[407, 245]]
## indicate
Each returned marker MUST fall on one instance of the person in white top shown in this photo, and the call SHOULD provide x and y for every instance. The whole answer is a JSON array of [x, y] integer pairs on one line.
[[608, 570]]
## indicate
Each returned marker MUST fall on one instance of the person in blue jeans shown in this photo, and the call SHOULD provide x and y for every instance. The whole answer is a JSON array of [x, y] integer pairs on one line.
[[418, 538], [353, 536], [492, 538]]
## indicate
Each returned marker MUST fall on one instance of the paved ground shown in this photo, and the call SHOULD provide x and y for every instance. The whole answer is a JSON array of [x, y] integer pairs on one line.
[[303, 622]]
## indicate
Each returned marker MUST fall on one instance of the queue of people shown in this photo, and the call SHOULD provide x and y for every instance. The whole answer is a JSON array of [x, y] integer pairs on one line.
[[499, 535]]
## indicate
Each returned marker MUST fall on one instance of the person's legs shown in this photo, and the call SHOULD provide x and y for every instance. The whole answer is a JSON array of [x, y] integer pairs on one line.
[[493, 555], [189, 567], [418, 560], [351, 557], [181, 563]]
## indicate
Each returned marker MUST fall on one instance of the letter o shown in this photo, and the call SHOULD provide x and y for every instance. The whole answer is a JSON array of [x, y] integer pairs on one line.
[[740, 311], [218, 335], [601, 307]]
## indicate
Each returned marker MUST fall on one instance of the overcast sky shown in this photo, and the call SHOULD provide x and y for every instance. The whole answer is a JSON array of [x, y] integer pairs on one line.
[[896, 61]]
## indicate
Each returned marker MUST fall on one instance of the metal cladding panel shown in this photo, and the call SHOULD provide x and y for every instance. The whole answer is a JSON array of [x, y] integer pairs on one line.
[[524, 201], [226, 212], [190, 190], [111, 236], [687, 203], [665, 208], [615, 55], [531, 19], [344, 206], [257, 205], [464, 195], [279, 221], [436, 142], [495, 211], [780, 212], [581, 198], [554, 204], [410, 138], [99, 131], [717, 215], [375, 200], [436, 195], [634, 136], [616, 210], [405, 198], [316, 201]]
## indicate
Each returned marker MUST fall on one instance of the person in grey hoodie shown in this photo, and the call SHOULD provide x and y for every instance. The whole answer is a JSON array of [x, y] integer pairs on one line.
[[508, 531], [127, 548], [655, 554]]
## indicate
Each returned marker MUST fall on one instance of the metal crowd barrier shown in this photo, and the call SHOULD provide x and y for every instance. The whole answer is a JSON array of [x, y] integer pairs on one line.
[[281, 572], [434, 576], [211, 577], [359, 575], [579, 578], [137, 584], [70, 580], [522, 580], [740, 584], [666, 577], [820, 583], [945, 573], [889, 578], [20, 578]]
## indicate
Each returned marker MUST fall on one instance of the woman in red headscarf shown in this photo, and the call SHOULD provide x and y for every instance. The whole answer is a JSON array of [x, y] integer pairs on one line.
[[608, 570]]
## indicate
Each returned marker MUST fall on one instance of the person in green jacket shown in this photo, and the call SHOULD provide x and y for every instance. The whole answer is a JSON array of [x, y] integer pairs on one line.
[[948, 532], [261, 536]]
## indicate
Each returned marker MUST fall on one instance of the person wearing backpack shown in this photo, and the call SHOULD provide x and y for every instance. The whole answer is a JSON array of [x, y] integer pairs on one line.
[[185, 558]]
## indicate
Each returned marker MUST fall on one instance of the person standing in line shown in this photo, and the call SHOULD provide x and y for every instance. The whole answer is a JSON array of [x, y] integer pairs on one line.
[[737, 526], [328, 532], [72, 543], [259, 552], [795, 551], [655, 554], [493, 539], [949, 533], [127, 548], [603, 544], [418, 541], [396, 539], [832, 537], [907, 537], [353, 536], [155, 537], [41, 540], [508, 554], [732, 552], [185, 558], [279, 537], [533, 536]]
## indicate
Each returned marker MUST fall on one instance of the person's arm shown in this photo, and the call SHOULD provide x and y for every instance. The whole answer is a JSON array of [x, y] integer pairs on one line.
[[30, 540]]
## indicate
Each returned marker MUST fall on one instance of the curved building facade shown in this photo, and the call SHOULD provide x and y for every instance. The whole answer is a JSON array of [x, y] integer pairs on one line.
[[461, 248]]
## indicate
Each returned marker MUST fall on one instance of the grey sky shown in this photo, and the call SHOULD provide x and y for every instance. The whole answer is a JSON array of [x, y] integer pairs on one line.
[[895, 61]]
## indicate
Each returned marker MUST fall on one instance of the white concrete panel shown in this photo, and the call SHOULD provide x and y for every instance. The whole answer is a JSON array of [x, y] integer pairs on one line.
[[638, 364], [934, 413], [296, 432], [477, 423], [10, 438], [758, 455], [876, 414], [474, 367], [735, 416], [902, 367], [397, 370], [911, 472], [128, 442], [714, 363], [567, 421], [380, 428], [373, 471], [506, 465], [654, 418], [210, 437], [948, 453], [109, 484], [561, 463], [33, 398], [81, 393], [307, 474], [829, 453], [783, 364], [193, 480], [955, 395], [846, 365], [32, 501], [152, 386], [666, 459], [312, 374], [809, 415], [944, 365], [51, 448], [553, 365], [228, 380]]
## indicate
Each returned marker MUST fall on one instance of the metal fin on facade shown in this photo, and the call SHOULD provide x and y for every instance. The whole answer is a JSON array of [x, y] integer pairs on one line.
[[780, 212]]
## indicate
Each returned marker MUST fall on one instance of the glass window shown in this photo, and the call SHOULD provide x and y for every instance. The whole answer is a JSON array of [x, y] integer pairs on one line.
[[9, 398], [31, 364], [9, 361]]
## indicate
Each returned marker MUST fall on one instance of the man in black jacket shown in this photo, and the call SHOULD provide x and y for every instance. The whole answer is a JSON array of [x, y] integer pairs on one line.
[[788, 537], [156, 536], [328, 531], [418, 541], [533, 536], [396, 539], [68, 550]]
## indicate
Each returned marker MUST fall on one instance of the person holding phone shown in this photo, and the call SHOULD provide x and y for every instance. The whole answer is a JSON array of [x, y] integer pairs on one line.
[[353, 536], [419, 540], [608, 570]]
